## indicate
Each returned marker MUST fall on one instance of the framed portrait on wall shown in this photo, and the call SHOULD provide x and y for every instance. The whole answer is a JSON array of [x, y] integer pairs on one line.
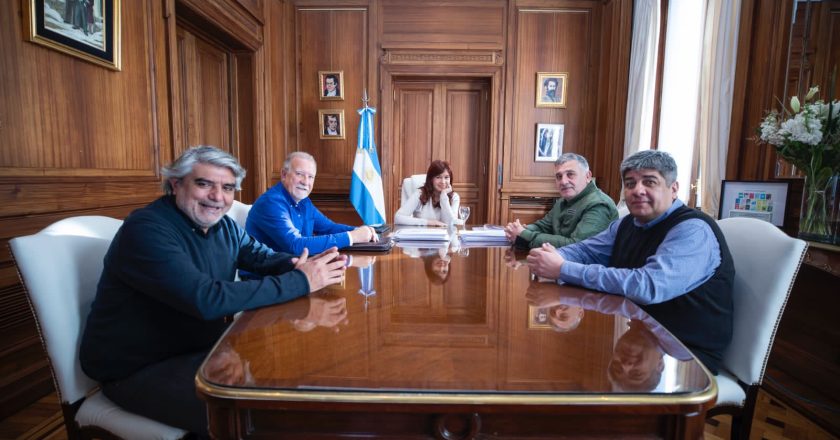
[[331, 124], [331, 85], [548, 145], [551, 89], [764, 200], [87, 29]]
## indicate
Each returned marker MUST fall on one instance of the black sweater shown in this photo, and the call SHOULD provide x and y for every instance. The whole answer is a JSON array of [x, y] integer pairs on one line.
[[702, 318], [166, 287]]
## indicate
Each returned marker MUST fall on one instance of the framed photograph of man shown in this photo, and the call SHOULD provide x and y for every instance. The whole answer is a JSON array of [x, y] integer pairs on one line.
[[548, 145], [88, 29], [551, 89], [331, 124], [331, 85]]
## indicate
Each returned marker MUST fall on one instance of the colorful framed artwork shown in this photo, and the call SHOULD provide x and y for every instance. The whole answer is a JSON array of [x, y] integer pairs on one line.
[[551, 89], [87, 29], [331, 85], [331, 124], [764, 200]]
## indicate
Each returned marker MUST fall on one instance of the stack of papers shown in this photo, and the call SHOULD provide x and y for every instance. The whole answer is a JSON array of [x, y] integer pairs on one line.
[[484, 237], [421, 234]]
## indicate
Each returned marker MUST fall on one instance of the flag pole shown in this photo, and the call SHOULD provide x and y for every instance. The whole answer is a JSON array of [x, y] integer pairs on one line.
[[366, 190]]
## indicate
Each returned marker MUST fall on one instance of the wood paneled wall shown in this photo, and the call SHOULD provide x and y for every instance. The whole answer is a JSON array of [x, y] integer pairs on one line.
[[77, 139], [330, 38], [80, 139], [589, 41], [503, 42]]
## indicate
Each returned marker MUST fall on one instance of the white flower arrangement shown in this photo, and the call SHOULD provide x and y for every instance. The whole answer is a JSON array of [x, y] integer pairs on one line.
[[808, 136]]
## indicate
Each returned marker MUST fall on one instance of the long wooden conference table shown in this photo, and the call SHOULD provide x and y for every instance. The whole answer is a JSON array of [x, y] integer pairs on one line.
[[450, 343]]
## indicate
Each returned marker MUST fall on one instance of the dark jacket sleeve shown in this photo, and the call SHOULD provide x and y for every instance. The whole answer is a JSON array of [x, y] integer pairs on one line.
[[155, 260]]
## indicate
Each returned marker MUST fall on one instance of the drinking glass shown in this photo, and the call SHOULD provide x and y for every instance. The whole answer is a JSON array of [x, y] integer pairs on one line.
[[464, 214]]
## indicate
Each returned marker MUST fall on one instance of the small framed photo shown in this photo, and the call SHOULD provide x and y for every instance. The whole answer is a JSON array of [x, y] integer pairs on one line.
[[551, 89], [87, 29], [764, 200], [538, 317], [548, 145], [331, 85], [331, 124]]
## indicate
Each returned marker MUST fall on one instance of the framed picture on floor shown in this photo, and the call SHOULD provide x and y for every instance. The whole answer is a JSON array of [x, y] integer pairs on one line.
[[87, 29], [761, 199]]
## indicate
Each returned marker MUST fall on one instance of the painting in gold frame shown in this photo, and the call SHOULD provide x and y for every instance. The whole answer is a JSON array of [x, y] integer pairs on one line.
[[331, 124], [551, 89], [331, 85], [89, 30]]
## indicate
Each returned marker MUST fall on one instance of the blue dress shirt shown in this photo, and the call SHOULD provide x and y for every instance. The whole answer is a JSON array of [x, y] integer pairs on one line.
[[686, 259], [288, 226]]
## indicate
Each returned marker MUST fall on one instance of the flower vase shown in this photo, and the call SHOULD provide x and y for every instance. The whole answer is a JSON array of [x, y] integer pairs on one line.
[[820, 210]]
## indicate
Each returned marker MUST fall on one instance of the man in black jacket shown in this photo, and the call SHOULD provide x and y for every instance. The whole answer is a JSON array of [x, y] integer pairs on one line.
[[168, 283]]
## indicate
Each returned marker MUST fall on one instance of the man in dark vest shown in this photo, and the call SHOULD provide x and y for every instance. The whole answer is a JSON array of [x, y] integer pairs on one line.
[[670, 259]]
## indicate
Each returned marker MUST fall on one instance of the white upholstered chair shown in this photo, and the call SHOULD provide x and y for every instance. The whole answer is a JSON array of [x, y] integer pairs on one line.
[[409, 185], [239, 212], [766, 263], [60, 267]]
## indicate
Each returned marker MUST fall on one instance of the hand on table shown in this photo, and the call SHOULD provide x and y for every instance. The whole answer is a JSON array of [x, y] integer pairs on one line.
[[363, 234], [545, 262], [323, 269], [513, 229]]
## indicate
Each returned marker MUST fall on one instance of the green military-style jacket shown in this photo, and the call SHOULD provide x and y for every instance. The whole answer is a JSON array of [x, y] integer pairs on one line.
[[587, 214]]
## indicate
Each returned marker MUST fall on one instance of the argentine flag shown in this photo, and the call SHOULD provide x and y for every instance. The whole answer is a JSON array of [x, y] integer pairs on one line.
[[366, 192]]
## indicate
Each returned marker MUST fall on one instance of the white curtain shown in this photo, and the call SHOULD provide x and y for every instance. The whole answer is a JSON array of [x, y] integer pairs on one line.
[[642, 81], [698, 76], [680, 85], [638, 123], [717, 76]]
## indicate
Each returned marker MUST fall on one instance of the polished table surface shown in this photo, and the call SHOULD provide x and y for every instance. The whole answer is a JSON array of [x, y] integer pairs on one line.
[[452, 342]]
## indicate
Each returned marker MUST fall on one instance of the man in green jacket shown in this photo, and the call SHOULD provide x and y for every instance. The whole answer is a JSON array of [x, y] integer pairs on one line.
[[582, 210]]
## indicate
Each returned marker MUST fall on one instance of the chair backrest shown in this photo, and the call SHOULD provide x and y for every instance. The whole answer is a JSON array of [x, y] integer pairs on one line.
[[239, 212], [60, 267], [766, 263], [410, 185]]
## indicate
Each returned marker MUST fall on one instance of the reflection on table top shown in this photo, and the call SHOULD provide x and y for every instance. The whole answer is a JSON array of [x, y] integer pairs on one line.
[[455, 325]]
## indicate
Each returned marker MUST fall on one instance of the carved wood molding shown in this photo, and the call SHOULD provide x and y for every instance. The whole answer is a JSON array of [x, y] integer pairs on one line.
[[240, 29], [443, 57]]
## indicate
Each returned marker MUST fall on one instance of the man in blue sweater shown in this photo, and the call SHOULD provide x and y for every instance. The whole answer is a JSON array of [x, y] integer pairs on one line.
[[285, 219], [670, 259], [168, 283]]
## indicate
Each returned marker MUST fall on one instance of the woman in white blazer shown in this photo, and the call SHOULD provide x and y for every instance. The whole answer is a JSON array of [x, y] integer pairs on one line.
[[433, 204]]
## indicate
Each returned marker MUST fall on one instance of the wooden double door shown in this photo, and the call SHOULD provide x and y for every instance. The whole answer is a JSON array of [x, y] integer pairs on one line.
[[213, 99], [448, 119]]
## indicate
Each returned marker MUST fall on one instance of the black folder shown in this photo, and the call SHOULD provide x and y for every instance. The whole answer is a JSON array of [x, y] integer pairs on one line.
[[383, 245]]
